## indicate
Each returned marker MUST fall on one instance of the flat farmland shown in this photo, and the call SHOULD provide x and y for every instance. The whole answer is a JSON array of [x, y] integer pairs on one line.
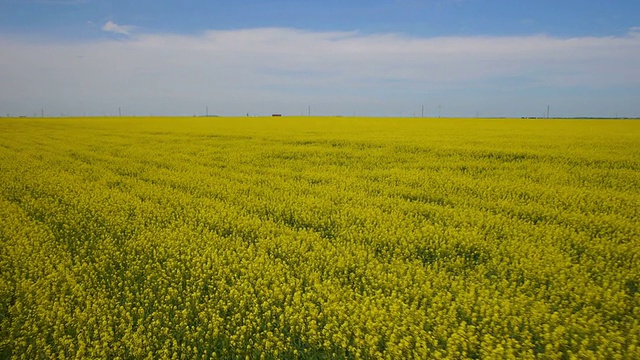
[[318, 237]]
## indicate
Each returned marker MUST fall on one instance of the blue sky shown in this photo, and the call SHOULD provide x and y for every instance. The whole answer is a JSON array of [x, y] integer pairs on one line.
[[491, 58]]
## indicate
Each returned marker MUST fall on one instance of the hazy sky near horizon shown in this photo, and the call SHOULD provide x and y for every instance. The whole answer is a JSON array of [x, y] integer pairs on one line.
[[375, 57]]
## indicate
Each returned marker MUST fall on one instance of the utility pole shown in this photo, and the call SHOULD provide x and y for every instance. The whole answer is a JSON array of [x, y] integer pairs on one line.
[[440, 110], [309, 112], [548, 108], [42, 112], [120, 111], [422, 110], [207, 111]]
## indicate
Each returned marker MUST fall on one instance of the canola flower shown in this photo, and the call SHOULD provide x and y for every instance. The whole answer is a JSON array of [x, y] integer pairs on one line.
[[310, 238]]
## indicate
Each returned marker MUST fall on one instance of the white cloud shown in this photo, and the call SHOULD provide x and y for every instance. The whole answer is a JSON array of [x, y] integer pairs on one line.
[[284, 70], [110, 26]]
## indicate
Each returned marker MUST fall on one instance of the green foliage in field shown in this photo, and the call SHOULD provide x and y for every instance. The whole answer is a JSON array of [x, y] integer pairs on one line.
[[319, 238]]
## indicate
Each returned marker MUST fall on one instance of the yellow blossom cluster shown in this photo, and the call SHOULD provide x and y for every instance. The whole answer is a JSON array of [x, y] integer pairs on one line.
[[313, 238]]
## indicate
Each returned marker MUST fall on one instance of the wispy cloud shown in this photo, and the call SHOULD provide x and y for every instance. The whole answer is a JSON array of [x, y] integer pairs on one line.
[[112, 27], [274, 69]]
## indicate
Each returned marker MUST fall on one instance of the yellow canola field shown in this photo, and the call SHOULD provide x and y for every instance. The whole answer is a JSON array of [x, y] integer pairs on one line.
[[313, 238]]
